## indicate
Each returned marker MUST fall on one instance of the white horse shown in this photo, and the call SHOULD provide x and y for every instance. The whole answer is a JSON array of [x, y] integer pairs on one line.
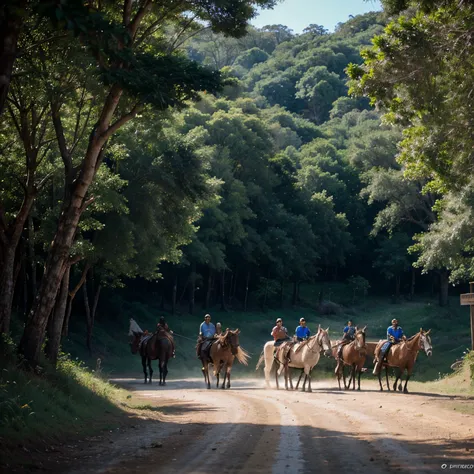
[[305, 358]]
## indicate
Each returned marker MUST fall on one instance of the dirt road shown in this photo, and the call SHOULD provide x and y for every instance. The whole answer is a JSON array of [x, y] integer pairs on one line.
[[250, 429]]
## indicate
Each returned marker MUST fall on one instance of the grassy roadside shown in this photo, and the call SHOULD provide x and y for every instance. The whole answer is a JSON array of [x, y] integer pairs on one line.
[[39, 410]]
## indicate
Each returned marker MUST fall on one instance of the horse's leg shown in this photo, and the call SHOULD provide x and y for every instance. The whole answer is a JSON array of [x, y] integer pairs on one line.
[[309, 381], [358, 382], [397, 378], [380, 379], [206, 373], [338, 375], [409, 372], [353, 375], [299, 379], [203, 370], [218, 373], [150, 369], [276, 376], [228, 370], [163, 371], [386, 377], [224, 366], [144, 367], [346, 386]]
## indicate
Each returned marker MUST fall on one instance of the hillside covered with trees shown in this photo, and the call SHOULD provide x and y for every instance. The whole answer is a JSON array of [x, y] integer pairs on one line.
[[182, 154]]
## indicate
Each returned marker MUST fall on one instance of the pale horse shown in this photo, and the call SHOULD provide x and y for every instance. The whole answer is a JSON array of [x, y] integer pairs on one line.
[[305, 358]]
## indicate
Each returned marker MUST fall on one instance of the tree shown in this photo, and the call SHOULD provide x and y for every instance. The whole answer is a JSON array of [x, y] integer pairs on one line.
[[133, 78]]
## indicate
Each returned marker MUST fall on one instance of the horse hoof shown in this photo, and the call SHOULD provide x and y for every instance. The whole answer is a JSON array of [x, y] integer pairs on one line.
[[223, 387], [405, 391]]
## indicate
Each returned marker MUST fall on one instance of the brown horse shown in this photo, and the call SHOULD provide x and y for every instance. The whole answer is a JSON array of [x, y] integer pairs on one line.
[[159, 346], [353, 355], [403, 356], [222, 353]]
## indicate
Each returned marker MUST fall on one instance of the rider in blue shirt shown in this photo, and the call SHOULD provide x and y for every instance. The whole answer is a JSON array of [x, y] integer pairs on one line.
[[347, 337], [302, 332], [206, 332], [394, 336]]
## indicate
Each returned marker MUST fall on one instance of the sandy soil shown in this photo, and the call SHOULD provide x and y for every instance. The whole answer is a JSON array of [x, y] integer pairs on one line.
[[186, 428]]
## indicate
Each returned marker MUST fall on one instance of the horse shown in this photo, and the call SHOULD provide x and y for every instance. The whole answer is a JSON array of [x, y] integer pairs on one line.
[[403, 356], [222, 353], [158, 345], [353, 355], [305, 358]]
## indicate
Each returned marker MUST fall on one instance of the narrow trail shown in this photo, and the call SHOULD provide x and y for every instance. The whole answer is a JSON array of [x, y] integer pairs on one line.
[[250, 429]]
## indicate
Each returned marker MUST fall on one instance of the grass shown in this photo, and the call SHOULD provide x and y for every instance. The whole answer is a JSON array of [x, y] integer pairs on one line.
[[53, 404]]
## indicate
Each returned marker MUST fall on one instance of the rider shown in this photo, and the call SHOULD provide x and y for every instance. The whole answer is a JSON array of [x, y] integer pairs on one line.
[[206, 332], [394, 336], [163, 326], [347, 337], [280, 333], [218, 329], [302, 332]]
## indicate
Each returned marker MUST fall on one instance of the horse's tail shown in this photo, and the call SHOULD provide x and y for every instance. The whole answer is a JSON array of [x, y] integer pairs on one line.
[[260, 360], [242, 356]]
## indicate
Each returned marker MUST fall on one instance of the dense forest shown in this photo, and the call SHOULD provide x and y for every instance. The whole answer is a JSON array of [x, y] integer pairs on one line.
[[174, 149]]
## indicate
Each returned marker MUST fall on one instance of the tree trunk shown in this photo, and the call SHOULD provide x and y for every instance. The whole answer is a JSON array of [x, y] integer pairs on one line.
[[88, 317], [192, 288], [207, 299], [223, 305], [31, 256], [231, 284], [282, 294], [72, 295], [443, 287], [6, 288], [175, 291], [57, 320], [294, 298], [246, 290], [236, 278], [10, 26], [397, 287], [58, 255]]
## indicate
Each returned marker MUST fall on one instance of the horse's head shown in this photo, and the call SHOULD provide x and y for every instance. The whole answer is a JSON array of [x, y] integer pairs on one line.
[[425, 342], [360, 339], [232, 338], [323, 339]]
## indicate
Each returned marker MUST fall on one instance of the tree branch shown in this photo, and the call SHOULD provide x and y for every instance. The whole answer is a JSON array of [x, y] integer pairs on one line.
[[86, 203], [127, 12], [122, 121], [133, 27]]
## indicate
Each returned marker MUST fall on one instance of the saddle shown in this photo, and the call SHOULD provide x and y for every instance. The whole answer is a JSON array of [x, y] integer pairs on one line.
[[206, 348], [143, 341]]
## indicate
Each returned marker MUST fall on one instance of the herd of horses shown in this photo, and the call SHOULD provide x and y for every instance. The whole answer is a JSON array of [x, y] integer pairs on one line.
[[290, 356]]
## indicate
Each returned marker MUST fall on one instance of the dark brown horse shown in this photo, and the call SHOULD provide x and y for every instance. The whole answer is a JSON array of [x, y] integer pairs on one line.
[[157, 346], [222, 353]]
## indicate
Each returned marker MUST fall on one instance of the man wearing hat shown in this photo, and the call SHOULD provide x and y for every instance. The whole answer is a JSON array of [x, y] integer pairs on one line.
[[280, 333], [394, 336], [302, 332], [206, 333], [347, 337]]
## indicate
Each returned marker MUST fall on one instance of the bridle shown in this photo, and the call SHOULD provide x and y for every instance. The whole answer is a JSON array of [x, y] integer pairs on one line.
[[317, 340]]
